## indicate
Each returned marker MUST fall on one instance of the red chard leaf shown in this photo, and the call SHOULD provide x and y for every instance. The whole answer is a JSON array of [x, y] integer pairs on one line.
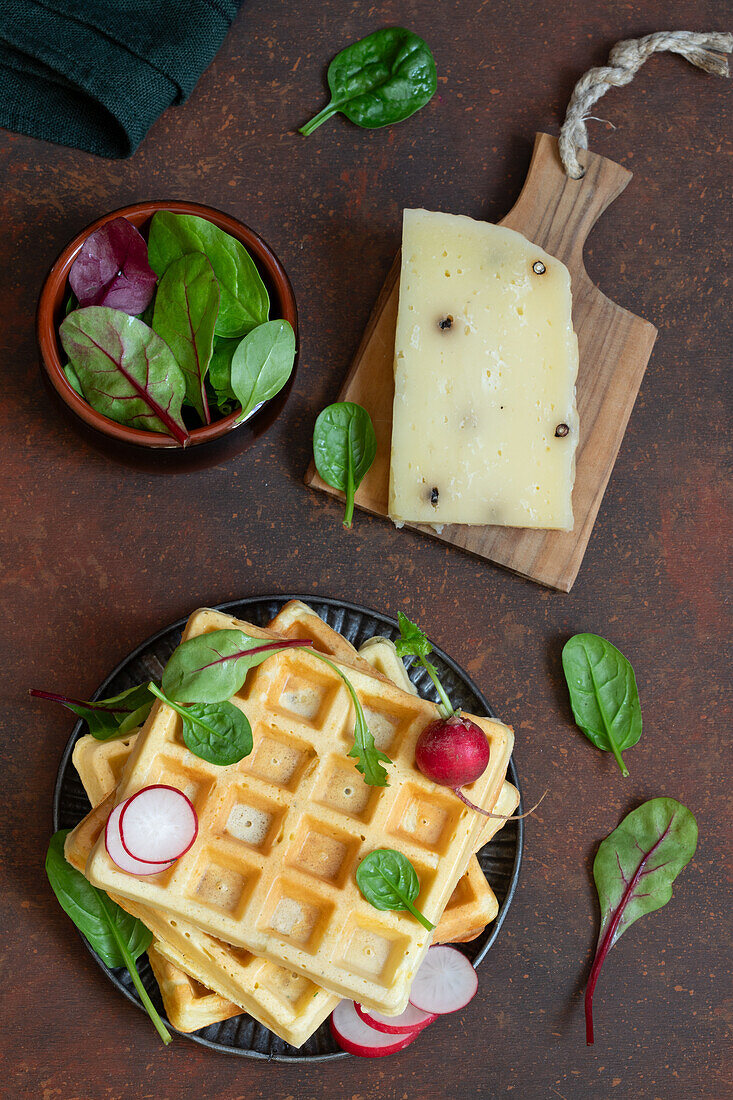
[[112, 269], [127, 372], [634, 870]]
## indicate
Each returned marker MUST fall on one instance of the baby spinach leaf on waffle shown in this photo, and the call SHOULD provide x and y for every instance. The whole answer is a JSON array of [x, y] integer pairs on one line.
[[368, 757], [603, 694], [107, 718], [381, 79], [344, 447], [117, 938], [388, 880], [412, 642], [210, 668], [126, 371], [634, 870], [262, 364], [186, 308], [217, 732], [244, 300]]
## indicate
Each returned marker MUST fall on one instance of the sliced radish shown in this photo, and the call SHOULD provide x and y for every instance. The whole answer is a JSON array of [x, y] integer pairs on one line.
[[118, 855], [356, 1037], [411, 1020], [158, 824], [445, 982]]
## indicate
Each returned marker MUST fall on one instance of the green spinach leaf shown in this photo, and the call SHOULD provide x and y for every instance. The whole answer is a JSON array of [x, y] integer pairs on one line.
[[368, 757], [344, 447], [388, 880], [210, 668], [220, 373], [262, 364], [117, 938], [244, 300], [186, 308], [381, 79], [126, 371], [412, 642], [217, 732], [107, 718], [634, 870], [603, 694], [73, 379]]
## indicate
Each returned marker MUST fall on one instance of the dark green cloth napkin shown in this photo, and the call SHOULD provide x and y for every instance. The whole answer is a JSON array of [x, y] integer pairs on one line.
[[96, 74]]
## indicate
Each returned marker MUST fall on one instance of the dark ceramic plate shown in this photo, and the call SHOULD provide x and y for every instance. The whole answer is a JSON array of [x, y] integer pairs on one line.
[[500, 860]]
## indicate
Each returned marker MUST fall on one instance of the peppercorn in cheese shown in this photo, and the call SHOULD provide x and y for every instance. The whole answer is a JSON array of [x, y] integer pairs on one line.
[[485, 425]]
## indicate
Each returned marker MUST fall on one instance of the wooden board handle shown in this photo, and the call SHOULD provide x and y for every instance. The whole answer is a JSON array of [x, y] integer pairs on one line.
[[557, 212]]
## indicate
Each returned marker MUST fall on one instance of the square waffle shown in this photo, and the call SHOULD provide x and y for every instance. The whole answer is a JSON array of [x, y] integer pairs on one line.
[[188, 1004], [288, 891]]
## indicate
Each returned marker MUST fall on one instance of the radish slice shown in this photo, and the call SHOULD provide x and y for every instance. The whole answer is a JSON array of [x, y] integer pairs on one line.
[[356, 1037], [411, 1020], [118, 855], [445, 982], [158, 824]]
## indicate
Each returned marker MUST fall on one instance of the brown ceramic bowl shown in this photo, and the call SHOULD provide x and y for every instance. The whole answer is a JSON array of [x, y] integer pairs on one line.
[[153, 450]]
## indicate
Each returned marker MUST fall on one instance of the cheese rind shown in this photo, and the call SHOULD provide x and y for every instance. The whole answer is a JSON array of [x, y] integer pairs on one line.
[[486, 361]]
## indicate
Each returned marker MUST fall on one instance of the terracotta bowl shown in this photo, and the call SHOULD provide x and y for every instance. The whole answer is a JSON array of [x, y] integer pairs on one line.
[[153, 450]]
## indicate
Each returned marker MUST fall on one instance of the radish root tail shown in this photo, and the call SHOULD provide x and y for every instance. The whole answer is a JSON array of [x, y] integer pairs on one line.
[[487, 813]]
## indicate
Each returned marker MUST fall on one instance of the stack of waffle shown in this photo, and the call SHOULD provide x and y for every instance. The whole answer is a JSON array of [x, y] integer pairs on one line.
[[263, 914]]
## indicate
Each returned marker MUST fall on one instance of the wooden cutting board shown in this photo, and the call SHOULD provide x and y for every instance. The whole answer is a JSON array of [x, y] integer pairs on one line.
[[557, 213]]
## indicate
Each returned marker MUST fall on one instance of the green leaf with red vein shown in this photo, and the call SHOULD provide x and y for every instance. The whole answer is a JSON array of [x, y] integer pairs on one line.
[[634, 870], [128, 373], [186, 308]]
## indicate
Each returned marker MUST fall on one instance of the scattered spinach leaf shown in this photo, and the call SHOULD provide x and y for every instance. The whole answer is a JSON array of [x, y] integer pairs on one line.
[[217, 732], [210, 668], [244, 300], [126, 371], [112, 269], [107, 718], [388, 880], [186, 308], [413, 642], [344, 447], [262, 364], [381, 79], [368, 757], [603, 694], [634, 870], [117, 938]]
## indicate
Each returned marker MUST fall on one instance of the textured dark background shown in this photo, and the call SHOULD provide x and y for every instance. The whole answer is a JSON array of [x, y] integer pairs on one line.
[[96, 557]]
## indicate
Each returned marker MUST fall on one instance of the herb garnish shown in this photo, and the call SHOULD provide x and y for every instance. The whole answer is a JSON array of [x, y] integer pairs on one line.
[[107, 718], [603, 694], [388, 880], [413, 642], [217, 732], [117, 938], [368, 757], [634, 870], [381, 79], [344, 447]]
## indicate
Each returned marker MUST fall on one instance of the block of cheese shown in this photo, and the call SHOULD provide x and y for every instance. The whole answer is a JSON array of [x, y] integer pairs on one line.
[[485, 424]]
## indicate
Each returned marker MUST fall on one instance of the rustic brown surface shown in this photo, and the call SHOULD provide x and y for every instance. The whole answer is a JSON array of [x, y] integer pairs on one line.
[[96, 557], [556, 213]]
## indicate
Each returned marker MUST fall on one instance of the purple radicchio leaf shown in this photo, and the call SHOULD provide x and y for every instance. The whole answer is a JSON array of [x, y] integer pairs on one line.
[[112, 269], [127, 372]]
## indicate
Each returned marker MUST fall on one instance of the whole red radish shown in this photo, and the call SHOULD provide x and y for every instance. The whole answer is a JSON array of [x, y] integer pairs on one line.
[[453, 751]]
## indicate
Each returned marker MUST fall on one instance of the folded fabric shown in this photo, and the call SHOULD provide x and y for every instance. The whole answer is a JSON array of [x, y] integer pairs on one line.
[[96, 74]]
